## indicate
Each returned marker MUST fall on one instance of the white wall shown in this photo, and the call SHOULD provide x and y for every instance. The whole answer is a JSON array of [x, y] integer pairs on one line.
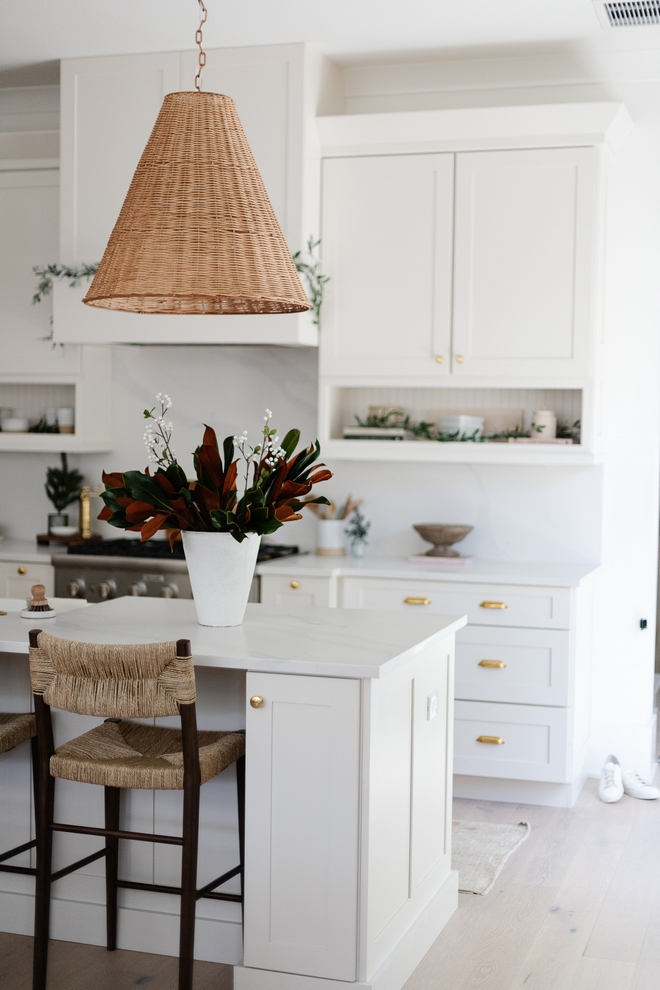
[[580, 514]]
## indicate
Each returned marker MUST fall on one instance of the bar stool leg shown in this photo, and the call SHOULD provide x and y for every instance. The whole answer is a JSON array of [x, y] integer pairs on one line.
[[188, 885], [112, 798], [44, 818]]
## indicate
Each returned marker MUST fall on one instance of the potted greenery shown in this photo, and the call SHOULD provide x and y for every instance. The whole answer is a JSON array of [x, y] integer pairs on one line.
[[357, 532], [62, 488], [221, 515]]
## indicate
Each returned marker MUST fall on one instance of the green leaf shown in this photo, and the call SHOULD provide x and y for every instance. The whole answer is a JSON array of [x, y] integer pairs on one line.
[[290, 442]]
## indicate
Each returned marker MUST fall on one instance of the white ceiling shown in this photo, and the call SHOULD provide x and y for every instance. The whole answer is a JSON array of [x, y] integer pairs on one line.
[[36, 31]]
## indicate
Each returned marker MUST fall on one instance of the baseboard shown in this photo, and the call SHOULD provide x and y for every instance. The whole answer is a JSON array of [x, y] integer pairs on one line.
[[518, 791], [142, 931], [391, 975]]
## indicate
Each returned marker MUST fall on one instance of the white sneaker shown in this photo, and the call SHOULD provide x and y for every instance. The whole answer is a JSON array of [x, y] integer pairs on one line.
[[638, 788], [610, 788]]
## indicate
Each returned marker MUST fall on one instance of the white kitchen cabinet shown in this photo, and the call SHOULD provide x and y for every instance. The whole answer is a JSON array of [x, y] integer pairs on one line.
[[17, 578], [297, 590], [303, 749], [108, 108], [493, 284], [519, 235], [517, 742], [523, 667], [387, 249], [525, 257], [484, 604]]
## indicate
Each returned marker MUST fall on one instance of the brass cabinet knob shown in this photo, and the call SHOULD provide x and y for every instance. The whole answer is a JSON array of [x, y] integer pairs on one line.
[[439, 358], [499, 664], [460, 359], [491, 740], [416, 601], [496, 605], [256, 701], [294, 584], [21, 570]]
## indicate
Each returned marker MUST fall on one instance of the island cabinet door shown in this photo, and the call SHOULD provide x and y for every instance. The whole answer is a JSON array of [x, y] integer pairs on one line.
[[302, 804]]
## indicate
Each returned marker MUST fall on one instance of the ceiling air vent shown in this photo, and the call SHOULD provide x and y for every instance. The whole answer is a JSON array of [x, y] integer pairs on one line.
[[628, 13]]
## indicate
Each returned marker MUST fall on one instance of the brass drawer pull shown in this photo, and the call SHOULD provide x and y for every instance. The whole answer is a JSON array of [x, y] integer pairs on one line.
[[499, 605], [256, 701], [492, 740], [21, 570], [412, 600], [500, 664], [294, 584]]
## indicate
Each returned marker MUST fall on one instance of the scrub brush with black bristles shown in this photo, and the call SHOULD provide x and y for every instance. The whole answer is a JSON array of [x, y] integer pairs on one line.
[[38, 605]]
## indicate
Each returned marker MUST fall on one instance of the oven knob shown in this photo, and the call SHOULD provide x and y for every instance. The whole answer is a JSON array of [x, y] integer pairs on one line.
[[76, 588], [138, 589], [106, 589], [169, 591]]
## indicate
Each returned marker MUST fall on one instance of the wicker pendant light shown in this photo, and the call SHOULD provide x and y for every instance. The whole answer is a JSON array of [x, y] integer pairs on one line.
[[197, 233]]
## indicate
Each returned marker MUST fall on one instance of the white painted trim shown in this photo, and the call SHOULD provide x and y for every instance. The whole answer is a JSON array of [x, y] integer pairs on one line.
[[138, 930], [28, 164], [396, 969], [518, 791], [540, 126]]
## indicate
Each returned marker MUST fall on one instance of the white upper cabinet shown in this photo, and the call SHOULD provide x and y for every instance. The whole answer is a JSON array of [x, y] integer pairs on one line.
[[464, 244], [108, 108], [524, 262], [514, 232], [387, 247]]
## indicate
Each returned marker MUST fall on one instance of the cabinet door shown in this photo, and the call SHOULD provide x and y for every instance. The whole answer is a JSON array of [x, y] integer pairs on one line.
[[29, 211], [285, 589], [303, 771], [108, 109], [387, 243], [16, 579], [524, 262]]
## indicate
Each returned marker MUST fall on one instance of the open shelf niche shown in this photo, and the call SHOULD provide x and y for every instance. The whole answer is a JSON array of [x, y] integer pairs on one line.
[[341, 403], [88, 390]]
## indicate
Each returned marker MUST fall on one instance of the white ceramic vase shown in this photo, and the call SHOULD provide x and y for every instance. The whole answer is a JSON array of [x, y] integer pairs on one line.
[[221, 572]]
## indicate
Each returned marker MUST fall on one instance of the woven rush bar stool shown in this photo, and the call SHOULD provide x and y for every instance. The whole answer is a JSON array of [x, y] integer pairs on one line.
[[119, 683], [14, 730]]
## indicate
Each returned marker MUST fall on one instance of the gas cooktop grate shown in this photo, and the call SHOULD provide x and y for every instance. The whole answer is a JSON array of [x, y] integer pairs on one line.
[[160, 549]]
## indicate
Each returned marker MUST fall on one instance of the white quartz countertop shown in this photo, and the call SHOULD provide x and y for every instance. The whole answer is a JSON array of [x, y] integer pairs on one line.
[[475, 572], [27, 552], [319, 641]]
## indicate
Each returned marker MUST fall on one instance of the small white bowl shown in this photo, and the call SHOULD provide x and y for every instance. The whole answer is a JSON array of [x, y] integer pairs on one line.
[[15, 424], [63, 530]]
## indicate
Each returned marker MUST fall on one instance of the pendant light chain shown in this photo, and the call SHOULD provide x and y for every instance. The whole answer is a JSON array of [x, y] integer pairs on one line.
[[198, 40]]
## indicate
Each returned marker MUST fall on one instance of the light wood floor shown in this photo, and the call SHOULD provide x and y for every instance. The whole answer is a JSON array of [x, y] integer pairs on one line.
[[577, 907]]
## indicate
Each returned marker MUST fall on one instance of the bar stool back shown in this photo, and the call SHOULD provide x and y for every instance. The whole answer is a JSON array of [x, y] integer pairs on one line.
[[117, 683], [14, 730]]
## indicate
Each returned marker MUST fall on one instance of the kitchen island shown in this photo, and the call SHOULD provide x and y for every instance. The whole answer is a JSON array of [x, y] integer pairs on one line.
[[348, 793]]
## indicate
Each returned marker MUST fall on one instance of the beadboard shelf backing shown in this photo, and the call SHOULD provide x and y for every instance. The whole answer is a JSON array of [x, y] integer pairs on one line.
[[342, 403]]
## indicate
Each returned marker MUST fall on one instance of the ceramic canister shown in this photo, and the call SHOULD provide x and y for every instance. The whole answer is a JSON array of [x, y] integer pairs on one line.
[[331, 538], [544, 424]]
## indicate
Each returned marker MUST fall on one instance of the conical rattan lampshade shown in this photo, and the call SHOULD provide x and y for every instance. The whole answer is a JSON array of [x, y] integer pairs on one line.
[[197, 232]]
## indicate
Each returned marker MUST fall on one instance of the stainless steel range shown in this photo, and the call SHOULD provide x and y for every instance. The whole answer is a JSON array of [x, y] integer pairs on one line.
[[114, 568]]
